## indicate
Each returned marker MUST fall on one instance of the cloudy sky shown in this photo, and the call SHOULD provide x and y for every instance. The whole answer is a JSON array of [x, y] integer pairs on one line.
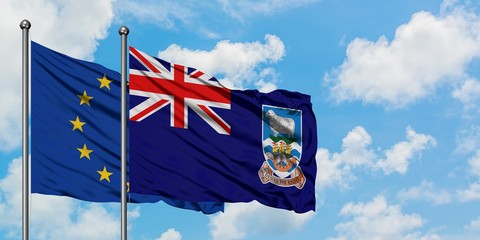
[[395, 88]]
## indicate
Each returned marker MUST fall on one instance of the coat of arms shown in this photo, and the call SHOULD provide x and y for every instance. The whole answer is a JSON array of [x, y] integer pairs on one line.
[[282, 147]]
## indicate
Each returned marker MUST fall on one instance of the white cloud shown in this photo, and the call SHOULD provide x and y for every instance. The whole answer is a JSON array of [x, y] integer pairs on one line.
[[170, 234], [398, 157], [72, 27], [468, 93], [425, 191], [336, 168], [334, 172], [90, 222], [357, 152], [411, 66], [241, 220], [377, 220], [268, 80], [134, 213], [470, 194], [471, 231], [448, 5], [474, 163], [243, 9], [468, 140], [69, 26], [53, 217], [11, 196], [473, 226], [238, 63]]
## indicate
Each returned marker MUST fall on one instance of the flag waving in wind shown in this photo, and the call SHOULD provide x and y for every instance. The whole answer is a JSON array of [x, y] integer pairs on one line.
[[193, 139], [76, 131], [181, 88]]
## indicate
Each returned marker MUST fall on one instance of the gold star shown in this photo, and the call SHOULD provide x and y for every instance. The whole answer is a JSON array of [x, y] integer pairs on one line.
[[77, 124], [104, 174], [85, 152], [85, 98], [104, 82]]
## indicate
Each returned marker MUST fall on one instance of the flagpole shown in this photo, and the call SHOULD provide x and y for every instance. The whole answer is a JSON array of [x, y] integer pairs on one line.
[[25, 26], [123, 31]]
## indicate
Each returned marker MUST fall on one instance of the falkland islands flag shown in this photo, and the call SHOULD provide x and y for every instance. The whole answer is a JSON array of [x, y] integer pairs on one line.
[[193, 139]]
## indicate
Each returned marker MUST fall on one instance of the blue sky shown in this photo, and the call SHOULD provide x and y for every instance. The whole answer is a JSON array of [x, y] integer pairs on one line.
[[395, 89]]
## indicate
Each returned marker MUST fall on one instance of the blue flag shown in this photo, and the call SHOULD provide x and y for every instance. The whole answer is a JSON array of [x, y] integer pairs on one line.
[[193, 139], [75, 118]]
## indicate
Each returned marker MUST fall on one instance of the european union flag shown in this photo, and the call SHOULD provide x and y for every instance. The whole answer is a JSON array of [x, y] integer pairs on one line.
[[75, 118], [193, 139]]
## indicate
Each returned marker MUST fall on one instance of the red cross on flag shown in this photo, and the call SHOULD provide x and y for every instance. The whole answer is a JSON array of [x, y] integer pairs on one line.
[[165, 84]]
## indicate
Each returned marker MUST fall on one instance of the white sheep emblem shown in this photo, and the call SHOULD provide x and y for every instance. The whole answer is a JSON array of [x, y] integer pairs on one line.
[[279, 124]]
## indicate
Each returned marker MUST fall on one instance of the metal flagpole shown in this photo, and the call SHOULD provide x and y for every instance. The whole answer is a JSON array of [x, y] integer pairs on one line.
[[25, 26], [123, 31]]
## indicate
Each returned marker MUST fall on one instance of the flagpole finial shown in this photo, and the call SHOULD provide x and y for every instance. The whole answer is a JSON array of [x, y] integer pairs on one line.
[[25, 24], [123, 30]]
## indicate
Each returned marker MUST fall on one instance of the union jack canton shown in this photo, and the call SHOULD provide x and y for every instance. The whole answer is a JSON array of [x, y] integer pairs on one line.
[[163, 83]]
